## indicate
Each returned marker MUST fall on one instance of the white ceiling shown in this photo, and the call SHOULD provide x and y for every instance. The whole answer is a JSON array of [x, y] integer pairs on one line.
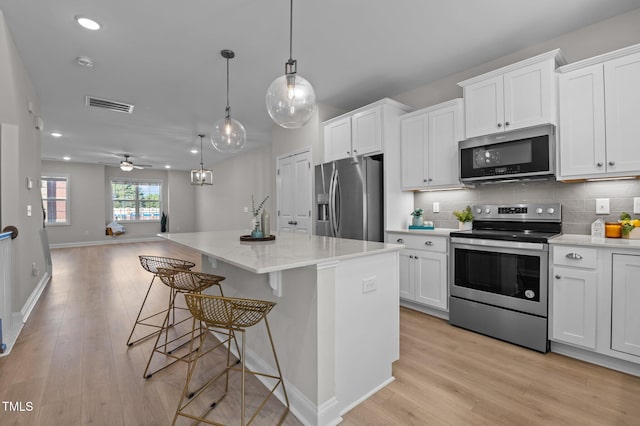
[[163, 57]]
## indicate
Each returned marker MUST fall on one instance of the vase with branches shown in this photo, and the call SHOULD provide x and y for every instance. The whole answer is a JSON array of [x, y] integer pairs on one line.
[[255, 211]]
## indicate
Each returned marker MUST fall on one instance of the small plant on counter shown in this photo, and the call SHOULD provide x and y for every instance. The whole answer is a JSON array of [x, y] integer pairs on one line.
[[256, 211], [465, 215], [417, 213], [627, 223]]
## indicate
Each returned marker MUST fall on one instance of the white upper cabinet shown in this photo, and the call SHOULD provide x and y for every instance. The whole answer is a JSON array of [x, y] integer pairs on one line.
[[429, 146], [599, 110], [360, 132], [517, 96]]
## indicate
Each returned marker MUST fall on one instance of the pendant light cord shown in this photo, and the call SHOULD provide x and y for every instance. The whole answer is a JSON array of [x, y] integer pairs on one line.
[[201, 160], [291, 32], [227, 110]]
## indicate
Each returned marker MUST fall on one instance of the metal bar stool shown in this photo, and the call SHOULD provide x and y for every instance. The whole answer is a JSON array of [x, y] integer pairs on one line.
[[225, 316], [179, 281], [151, 264]]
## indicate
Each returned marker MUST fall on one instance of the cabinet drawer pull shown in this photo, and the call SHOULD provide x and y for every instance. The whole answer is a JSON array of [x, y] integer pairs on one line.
[[428, 243], [599, 164], [575, 256], [499, 124], [400, 241], [558, 277], [506, 123], [612, 163]]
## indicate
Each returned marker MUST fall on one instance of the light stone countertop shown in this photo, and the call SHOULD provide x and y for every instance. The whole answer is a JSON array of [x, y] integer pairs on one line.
[[589, 241], [288, 251], [444, 232]]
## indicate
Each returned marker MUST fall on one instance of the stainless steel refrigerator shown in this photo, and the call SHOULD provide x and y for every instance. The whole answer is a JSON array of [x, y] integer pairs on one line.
[[349, 198]]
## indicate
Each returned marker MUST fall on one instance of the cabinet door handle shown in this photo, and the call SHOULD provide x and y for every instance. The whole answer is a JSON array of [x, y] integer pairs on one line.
[[558, 277], [428, 243], [575, 256], [612, 163], [355, 151], [400, 241], [499, 124], [506, 123], [424, 180], [599, 164], [429, 179]]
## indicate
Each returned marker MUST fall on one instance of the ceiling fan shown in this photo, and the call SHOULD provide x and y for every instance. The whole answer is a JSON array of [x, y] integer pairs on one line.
[[127, 165]]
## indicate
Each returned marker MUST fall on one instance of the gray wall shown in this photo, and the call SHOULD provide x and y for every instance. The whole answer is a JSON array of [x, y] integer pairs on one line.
[[19, 160], [578, 199], [89, 186]]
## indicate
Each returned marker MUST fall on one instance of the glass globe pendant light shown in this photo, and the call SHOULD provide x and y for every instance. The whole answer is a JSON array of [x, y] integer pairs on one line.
[[201, 176], [291, 99], [229, 136]]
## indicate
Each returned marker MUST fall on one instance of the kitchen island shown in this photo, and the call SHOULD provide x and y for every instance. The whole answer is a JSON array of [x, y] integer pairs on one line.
[[336, 323]]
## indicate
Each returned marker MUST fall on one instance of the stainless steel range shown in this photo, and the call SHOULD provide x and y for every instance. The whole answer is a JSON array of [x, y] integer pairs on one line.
[[499, 272]]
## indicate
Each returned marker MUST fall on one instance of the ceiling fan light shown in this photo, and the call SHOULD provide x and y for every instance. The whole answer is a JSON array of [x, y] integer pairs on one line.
[[126, 167]]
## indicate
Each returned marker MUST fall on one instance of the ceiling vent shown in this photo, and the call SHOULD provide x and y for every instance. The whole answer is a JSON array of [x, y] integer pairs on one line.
[[110, 105]]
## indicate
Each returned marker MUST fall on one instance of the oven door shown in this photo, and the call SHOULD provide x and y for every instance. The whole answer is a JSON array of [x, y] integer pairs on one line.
[[511, 275]]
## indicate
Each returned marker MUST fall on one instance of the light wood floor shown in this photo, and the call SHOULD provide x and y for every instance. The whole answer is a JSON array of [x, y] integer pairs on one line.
[[71, 362]]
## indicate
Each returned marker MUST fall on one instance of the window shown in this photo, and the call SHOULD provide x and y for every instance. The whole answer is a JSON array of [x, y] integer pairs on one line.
[[135, 200], [55, 199]]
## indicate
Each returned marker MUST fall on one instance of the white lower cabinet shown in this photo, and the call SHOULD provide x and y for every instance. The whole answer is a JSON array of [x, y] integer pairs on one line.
[[594, 304], [625, 304], [423, 269], [574, 306]]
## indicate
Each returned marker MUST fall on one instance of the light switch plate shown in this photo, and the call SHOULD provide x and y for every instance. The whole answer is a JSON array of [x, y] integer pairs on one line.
[[636, 205], [436, 207], [602, 206]]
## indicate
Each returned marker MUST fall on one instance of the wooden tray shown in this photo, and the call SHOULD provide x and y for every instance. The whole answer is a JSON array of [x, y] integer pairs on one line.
[[250, 238]]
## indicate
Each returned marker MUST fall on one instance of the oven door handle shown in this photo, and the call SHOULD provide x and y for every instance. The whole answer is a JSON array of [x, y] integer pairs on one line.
[[499, 244]]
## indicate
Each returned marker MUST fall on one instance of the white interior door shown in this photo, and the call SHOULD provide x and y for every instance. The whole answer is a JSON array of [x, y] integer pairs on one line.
[[294, 193]]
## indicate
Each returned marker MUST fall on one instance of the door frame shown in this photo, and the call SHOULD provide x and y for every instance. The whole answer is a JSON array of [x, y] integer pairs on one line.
[[305, 150]]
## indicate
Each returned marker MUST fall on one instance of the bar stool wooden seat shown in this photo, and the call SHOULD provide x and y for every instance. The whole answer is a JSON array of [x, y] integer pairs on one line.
[[226, 316], [180, 281], [151, 264]]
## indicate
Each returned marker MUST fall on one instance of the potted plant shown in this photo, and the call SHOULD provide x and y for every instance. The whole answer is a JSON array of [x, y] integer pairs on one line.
[[464, 218], [629, 226], [417, 217]]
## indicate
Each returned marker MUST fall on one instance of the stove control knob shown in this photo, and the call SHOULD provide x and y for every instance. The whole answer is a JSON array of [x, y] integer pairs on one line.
[[539, 210], [551, 210], [479, 211], [487, 210]]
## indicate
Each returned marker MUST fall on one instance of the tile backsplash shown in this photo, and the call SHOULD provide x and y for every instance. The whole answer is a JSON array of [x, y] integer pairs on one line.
[[578, 200]]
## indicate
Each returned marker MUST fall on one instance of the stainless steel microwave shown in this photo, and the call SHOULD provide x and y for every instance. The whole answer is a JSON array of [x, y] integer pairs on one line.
[[520, 154]]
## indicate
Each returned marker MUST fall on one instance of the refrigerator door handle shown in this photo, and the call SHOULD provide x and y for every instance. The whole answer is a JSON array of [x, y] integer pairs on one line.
[[333, 203]]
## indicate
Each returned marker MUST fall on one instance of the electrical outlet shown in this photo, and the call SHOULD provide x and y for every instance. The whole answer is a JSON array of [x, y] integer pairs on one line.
[[246, 209], [602, 206], [369, 285], [436, 207], [29, 210], [636, 205]]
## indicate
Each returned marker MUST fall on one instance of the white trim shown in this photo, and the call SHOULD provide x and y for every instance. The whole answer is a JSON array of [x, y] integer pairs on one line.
[[34, 297], [434, 312], [366, 396], [116, 240], [596, 358], [18, 319], [553, 54], [600, 59]]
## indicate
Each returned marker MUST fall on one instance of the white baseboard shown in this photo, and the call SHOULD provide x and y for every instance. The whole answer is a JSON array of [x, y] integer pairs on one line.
[[19, 318], [425, 309], [326, 414], [596, 358], [115, 240], [34, 297]]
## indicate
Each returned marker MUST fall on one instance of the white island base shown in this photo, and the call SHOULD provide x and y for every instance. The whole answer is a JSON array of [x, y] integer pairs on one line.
[[336, 322]]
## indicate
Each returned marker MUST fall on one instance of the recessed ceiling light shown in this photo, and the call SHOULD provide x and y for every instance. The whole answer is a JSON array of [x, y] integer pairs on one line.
[[66, 158], [194, 150], [167, 166], [56, 134], [87, 23], [84, 61]]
